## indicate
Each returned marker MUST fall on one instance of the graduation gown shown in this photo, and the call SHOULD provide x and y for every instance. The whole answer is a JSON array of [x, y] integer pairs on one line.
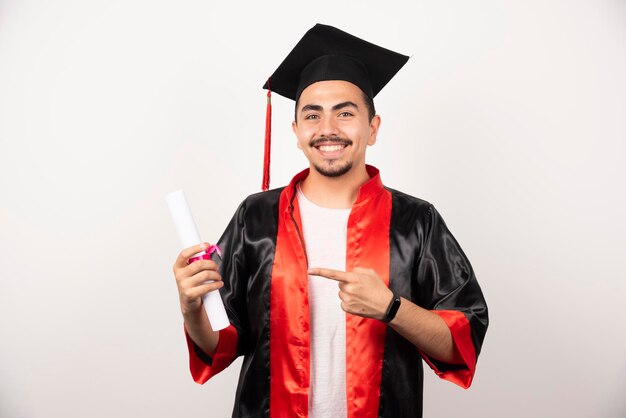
[[264, 268]]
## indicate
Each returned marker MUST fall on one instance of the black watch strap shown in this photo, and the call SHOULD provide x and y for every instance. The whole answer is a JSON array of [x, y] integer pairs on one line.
[[392, 309]]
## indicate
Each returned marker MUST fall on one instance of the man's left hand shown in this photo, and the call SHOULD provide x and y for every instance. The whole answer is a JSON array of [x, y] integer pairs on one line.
[[362, 291]]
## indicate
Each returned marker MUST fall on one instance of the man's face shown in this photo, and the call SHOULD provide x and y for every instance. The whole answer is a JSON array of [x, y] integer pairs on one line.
[[333, 127]]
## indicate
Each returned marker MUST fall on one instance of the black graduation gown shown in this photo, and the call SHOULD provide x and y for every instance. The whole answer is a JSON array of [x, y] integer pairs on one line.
[[264, 267]]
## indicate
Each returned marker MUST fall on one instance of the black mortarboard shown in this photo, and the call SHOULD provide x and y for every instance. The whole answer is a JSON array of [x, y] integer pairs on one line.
[[327, 53]]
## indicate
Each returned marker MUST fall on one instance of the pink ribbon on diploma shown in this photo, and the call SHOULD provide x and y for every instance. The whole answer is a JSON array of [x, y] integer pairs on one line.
[[207, 254]]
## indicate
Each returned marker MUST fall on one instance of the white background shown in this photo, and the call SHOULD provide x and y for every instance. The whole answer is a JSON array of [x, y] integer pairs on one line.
[[510, 117]]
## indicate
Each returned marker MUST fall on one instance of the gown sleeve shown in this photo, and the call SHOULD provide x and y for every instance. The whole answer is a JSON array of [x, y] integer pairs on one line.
[[234, 271], [449, 289]]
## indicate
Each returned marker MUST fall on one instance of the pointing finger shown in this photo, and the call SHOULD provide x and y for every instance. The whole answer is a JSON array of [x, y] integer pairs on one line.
[[340, 276]]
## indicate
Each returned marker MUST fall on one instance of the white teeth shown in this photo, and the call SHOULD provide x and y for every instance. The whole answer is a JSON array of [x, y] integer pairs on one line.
[[330, 148]]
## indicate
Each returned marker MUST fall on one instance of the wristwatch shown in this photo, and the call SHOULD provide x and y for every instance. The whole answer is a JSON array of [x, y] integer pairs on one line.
[[392, 310]]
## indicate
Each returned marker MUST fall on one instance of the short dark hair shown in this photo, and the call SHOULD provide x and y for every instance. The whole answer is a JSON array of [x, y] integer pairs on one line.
[[369, 104]]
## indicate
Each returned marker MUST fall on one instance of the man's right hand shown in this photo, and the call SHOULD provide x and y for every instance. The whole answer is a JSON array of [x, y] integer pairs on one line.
[[195, 280]]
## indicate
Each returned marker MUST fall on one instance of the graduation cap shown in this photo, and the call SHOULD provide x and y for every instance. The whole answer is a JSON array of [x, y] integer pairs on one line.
[[327, 53]]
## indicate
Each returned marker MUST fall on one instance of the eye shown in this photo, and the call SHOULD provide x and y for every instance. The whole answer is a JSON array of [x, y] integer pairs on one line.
[[311, 117], [345, 114]]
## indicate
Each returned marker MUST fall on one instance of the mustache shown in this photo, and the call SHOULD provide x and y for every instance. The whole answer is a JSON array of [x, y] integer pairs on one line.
[[332, 139]]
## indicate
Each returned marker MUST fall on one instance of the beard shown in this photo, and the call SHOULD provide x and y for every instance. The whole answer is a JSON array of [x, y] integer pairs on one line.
[[332, 168]]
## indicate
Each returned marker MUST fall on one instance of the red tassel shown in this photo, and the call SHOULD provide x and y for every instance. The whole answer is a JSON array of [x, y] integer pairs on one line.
[[268, 141]]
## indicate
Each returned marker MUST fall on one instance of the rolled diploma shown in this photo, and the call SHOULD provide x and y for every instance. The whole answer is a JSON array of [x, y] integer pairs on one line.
[[189, 236]]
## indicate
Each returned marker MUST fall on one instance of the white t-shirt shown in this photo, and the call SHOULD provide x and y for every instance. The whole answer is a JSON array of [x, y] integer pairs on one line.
[[325, 233]]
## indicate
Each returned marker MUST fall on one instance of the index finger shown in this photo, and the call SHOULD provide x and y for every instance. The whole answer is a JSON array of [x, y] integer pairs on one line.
[[187, 253], [340, 276]]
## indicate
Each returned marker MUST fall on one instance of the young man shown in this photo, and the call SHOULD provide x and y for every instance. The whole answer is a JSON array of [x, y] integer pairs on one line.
[[335, 286]]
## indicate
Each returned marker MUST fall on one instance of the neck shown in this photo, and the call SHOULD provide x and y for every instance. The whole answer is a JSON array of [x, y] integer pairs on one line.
[[334, 192]]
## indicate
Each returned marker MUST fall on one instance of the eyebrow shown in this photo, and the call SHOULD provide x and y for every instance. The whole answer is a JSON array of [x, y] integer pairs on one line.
[[318, 108]]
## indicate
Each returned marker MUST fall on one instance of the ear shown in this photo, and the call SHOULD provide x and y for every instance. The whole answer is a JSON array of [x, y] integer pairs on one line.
[[294, 127], [374, 126]]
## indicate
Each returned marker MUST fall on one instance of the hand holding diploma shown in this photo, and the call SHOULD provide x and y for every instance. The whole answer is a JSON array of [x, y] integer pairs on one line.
[[196, 279], [196, 275]]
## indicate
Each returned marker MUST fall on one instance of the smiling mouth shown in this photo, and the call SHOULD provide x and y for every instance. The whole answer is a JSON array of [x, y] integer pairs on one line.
[[331, 148], [330, 145]]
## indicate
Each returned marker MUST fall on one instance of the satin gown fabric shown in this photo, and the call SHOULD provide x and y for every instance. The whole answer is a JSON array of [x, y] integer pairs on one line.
[[264, 266]]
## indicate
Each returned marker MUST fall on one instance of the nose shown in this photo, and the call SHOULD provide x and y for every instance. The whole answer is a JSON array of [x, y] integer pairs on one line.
[[328, 127]]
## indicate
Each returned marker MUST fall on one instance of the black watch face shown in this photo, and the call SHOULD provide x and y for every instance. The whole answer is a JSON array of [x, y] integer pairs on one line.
[[393, 309]]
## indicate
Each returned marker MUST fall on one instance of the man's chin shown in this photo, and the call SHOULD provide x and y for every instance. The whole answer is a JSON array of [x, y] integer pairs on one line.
[[333, 170]]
